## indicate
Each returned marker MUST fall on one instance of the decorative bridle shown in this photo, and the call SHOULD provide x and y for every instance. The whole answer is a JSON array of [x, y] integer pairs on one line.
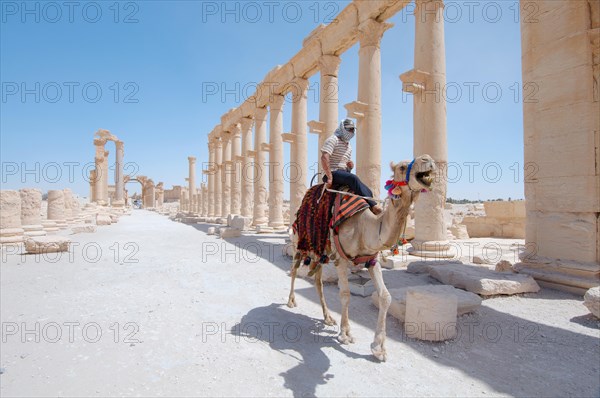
[[393, 187]]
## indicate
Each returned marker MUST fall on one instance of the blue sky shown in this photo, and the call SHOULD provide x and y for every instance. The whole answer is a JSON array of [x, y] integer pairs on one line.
[[138, 69]]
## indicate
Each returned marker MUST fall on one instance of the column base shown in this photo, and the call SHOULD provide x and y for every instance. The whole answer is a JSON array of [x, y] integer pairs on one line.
[[118, 203], [11, 235], [34, 230], [435, 249], [276, 224]]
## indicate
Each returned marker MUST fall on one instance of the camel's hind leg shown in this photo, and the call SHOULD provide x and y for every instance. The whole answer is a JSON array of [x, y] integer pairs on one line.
[[378, 345], [319, 285], [292, 299], [345, 337]]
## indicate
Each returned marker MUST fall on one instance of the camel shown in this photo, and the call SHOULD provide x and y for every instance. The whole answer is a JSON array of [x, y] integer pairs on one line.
[[364, 234]]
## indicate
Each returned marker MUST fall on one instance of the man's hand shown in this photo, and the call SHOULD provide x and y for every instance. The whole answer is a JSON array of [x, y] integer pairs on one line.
[[326, 169], [350, 165], [329, 182]]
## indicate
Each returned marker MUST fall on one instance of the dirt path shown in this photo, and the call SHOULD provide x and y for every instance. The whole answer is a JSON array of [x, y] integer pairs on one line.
[[182, 313]]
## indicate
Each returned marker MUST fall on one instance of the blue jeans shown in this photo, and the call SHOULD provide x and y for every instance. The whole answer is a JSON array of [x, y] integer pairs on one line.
[[345, 178]]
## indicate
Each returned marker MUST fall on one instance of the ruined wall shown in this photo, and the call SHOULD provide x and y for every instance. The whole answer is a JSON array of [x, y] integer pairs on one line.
[[501, 220]]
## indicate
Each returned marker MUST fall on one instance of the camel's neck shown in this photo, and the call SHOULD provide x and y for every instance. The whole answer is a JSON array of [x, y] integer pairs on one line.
[[391, 223]]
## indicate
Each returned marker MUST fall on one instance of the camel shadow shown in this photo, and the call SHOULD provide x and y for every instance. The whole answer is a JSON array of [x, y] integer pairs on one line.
[[300, 337]]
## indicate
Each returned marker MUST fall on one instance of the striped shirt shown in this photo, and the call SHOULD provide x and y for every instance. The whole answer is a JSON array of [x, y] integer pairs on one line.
[[340, 152]]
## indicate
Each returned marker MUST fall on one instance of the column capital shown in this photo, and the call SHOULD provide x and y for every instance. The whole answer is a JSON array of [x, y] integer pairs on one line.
[[236, 129], [436, 5], [119, 144], [99, 141], [246, 123], [260, 113], [298, 88], [371, 31], [276, 102], [225, 136], [329, 64], [191, 159]]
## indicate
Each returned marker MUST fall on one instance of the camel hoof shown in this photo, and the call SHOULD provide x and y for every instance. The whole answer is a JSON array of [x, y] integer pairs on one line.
[[292, 303], [345, 339], [379, 352], [329, 321]]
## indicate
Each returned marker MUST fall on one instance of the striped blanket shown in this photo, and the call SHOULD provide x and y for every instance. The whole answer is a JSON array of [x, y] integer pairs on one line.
[[346, 207]]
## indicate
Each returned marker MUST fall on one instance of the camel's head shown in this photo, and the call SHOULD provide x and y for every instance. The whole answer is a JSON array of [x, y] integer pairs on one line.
[[413, 175]]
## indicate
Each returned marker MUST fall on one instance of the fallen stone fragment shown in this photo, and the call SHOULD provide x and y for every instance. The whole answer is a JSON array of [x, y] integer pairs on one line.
[[227, 232], [504, 266], [466, 301], [481, 280], [79, 229], [47, 244], [591, 300], [430, 315], [103, 219]]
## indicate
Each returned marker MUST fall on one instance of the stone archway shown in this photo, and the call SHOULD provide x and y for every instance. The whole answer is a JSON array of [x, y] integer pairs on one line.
[[143, 181]]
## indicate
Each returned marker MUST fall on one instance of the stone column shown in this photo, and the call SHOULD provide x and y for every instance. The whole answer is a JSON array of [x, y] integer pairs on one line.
[[329, 66], [561, 135], [245, 169], [119, 177], [161, 198], [260, 172], [99, 175], [31, 209], [10, 217], [276, 161], [217, 176], [192, 183], [56, 208], [211, 180], [429, 77], [298, 154], [150, 195], [205, 200], [69, 212], [105, 179], [182, 200], [93, 196], [226, 175], [368, 110], [236, 176]]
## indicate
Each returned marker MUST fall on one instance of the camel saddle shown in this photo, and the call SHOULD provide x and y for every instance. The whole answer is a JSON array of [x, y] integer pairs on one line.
[[319, 212]]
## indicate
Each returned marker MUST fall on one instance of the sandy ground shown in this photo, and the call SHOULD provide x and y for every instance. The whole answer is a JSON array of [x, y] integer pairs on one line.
[[150, 307]]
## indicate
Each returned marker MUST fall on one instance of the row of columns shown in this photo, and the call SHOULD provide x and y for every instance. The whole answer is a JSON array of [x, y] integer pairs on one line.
[[232, 183]]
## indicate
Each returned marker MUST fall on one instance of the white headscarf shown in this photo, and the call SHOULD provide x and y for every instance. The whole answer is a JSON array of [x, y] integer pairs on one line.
[[342, 131]]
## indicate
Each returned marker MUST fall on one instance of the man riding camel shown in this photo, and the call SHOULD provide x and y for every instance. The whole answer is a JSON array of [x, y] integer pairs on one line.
[[336, 160]]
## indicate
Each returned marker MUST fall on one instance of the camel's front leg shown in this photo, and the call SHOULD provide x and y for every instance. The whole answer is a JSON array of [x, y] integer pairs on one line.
[[319, 285], [292, 299], [378, 345], [345, 337]]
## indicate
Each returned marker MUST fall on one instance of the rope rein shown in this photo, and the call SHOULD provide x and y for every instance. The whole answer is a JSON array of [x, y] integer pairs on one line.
[[358, 196]]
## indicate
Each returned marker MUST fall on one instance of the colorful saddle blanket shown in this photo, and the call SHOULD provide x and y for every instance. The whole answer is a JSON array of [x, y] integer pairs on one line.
[[312, 221], [314, 218]]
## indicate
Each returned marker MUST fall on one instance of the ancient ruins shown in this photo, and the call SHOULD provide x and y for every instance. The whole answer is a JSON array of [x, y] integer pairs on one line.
[[546, 247]]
